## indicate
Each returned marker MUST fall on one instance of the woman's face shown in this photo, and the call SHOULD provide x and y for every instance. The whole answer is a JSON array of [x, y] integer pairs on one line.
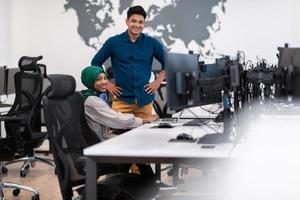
[[101, 83]]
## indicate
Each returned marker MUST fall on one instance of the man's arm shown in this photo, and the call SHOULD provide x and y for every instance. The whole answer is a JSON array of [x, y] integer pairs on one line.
[[103, 54], [159, 54], [100, 112], [154, 85]]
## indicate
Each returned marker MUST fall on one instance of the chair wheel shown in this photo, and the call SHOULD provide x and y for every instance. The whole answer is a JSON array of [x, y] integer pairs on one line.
[[22, 173], [36, 197], [32, 164], [4, 170], [16, 192]]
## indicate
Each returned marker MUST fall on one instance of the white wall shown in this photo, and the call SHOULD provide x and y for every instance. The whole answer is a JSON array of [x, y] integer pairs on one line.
[[259, 27], [42, 27], [4, 32]]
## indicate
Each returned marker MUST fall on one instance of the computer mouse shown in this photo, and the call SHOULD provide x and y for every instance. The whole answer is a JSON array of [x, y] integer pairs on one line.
[[184, 136], [164, 125]]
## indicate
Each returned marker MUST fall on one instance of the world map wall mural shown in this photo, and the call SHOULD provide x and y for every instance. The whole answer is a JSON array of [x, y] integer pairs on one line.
[[181, 25]]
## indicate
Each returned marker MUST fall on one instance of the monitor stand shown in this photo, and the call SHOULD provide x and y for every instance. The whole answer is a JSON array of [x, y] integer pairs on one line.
[[212, 138], [216, 138]]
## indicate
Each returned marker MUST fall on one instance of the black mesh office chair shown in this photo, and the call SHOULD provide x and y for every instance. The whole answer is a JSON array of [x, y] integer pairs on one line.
[[63, 112], [26, 113], [67, 128]]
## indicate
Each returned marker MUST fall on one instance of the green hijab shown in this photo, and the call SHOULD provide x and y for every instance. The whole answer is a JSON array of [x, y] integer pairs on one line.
[[89, 76]]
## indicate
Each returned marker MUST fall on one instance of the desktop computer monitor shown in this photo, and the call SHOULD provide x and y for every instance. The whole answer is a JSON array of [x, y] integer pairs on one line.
[[289, 58], [210, 84], [10, 89], [192, 83], [181, 73], [2, 81]]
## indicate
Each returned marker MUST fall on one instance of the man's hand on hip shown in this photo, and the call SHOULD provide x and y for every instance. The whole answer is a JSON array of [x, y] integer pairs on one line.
[[154, 85], [113, 89], [151, 87]]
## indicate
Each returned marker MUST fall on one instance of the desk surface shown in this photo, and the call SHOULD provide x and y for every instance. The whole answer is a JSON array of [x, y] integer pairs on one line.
[[207, 111], [148, 144], [267, 158], [4, 109], [151, 145]]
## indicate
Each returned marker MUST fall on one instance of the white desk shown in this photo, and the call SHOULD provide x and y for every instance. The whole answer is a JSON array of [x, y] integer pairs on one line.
[[200, 112], [2, 128], [151, 145], [4, 109]]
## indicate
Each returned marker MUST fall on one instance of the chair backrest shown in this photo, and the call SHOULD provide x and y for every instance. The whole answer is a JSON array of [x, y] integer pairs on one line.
[[63, 114], [28, 91]]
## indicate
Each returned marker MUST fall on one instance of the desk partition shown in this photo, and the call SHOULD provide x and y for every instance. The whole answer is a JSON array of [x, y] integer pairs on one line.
[[7, 83], [2, 81], [10, 89]]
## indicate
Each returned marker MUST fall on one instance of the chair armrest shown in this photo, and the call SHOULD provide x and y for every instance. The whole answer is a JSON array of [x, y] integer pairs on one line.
[[12, 118], [80, 165], [81, 159]]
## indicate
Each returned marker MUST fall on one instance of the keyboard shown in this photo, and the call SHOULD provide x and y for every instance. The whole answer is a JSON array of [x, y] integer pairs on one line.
[[196, 122], [169, 120]]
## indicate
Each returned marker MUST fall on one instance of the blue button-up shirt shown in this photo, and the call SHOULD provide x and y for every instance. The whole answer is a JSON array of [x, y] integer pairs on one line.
[[132, 64]]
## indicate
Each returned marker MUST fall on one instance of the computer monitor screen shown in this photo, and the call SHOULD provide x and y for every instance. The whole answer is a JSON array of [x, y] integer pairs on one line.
[[210, 83], [181, 72], [11, 80], [2, 81], [192, 83], [288, 56]]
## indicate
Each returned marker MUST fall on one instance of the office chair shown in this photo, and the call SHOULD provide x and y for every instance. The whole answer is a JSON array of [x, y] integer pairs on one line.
[[63, 120], [68, 132], [8, 148], [26, 113]]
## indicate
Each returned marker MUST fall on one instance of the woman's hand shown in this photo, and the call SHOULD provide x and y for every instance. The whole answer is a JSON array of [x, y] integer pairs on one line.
[[150, 119]]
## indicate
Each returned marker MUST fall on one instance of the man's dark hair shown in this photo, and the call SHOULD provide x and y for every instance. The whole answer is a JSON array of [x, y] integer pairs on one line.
[[139, 10]]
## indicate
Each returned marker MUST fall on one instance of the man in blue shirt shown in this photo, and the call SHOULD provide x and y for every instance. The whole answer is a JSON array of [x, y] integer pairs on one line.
[[131, 54]]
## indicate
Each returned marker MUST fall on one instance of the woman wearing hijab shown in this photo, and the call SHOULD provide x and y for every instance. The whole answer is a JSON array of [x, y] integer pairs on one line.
[[100, 116], [98, 113]]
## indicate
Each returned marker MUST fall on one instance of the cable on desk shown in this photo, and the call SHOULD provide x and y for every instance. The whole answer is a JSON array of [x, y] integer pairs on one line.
[[212, 112]]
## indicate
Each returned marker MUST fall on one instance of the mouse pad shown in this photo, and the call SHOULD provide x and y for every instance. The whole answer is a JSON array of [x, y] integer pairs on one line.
[[176, 140]]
